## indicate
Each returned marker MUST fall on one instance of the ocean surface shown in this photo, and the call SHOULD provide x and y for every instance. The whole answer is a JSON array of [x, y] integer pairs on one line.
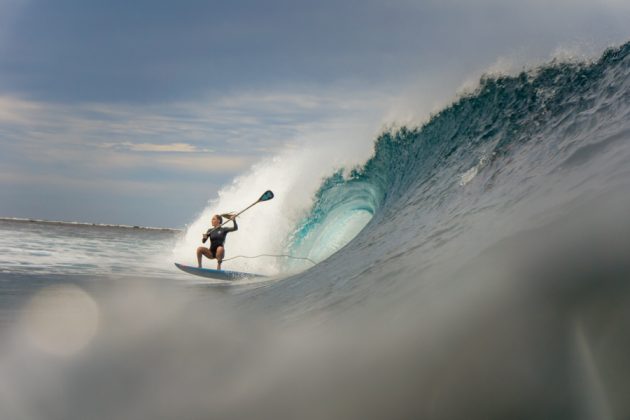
[[477, 267]]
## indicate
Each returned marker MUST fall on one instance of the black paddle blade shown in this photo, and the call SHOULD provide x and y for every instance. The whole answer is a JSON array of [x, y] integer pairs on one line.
[[268, 195]]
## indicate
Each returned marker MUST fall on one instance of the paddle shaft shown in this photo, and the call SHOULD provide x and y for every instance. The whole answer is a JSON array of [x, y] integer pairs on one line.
[[267, 195], [237, 214]]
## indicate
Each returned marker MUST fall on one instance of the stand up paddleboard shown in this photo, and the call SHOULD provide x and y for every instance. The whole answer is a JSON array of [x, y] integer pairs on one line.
[[225, 274], [216, 274]]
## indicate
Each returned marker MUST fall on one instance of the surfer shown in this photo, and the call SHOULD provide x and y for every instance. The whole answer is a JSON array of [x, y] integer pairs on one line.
[[217, 234]]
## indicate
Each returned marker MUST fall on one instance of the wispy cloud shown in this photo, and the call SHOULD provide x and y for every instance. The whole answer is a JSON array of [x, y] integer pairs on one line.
[[157, 148], [154, 149], [17, 111], [21, 179], [246, 123]]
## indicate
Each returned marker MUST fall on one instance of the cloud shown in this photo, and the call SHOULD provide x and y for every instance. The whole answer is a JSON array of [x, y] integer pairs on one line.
[[162, 52], [17, 111], [157, 148], [249, 123], [110, 146], [22, 179], [119, 151], [87, 164]]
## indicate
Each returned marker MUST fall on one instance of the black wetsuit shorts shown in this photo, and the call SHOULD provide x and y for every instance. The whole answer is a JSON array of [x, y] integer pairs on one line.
[[217, 237], [213, 249]]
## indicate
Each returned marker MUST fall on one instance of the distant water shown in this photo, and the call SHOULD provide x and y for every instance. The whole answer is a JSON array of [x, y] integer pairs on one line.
[[476, 267], [40, 247]]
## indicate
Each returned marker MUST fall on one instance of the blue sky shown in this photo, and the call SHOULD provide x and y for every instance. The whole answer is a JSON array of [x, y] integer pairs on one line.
[[138, 112]]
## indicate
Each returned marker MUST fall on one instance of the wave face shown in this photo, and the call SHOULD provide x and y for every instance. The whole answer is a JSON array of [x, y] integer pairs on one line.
[[494, 264], [342, 208], [550, 127]]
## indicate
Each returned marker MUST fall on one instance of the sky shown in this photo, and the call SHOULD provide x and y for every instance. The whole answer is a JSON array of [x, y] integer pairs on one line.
[[139, 112]]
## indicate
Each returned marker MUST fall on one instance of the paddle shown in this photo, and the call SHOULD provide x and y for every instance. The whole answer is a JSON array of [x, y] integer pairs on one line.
[[267, 195]]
